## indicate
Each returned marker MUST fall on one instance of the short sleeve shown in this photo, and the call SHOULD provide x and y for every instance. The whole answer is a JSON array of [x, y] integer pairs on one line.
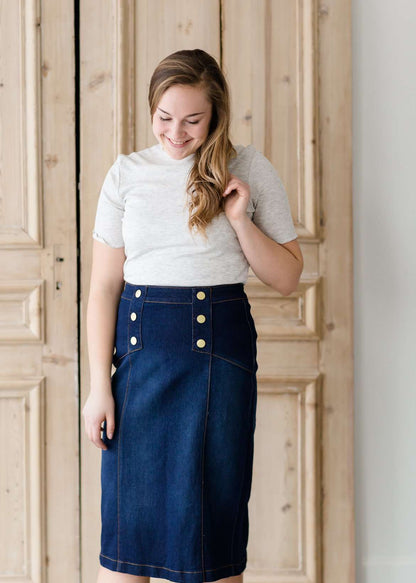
[[272, 210], [110, 209]]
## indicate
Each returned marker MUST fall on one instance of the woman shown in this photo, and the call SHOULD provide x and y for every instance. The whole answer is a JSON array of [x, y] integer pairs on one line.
[[176, 228]]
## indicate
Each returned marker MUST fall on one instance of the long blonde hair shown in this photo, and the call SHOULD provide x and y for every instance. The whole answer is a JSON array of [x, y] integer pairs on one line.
[[209, 174]]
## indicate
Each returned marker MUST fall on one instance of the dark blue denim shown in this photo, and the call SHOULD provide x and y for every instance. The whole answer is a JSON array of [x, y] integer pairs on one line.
[[176, 478]]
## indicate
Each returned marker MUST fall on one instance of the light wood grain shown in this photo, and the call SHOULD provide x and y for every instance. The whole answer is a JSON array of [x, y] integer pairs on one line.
[[39, 500]]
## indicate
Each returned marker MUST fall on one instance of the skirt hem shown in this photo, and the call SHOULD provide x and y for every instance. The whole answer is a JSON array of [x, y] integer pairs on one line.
[[172, 574]]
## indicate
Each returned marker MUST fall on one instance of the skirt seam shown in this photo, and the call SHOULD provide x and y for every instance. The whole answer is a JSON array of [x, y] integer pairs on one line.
[[203, 450], [238, 511], [118, 461], [246, 468], [187, 303], [253, 341], [232, 362]]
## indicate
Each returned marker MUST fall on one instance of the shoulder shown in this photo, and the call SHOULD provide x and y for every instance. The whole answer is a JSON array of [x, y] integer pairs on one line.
[[252, 160], [263, 172], [244, 155], [143, 157], [241, 163], [262, 176], [137, 165]]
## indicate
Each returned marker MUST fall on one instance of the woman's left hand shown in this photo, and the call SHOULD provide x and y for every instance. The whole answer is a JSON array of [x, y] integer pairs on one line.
[[237, 196]]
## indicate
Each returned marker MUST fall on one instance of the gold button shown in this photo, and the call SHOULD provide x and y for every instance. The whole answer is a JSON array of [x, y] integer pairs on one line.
[[200, 343], [115, 350], [133, 316], [201, 318], [138, 293], [133, 340], [200, 295]]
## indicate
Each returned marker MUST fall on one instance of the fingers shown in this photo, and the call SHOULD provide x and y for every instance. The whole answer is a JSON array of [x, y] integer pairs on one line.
[[235, 184], [96, 436], [93, 430], [110, 425], [232, 185], [99, 408]]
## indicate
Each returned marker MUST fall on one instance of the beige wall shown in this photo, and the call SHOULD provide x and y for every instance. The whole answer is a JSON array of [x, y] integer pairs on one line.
[[384, 122]]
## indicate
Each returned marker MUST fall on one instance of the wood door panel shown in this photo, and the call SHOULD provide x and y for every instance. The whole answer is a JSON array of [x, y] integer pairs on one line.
[[284, 510], [20, 178], [38, 294], [274, 91], [280, 317], [22, 307]]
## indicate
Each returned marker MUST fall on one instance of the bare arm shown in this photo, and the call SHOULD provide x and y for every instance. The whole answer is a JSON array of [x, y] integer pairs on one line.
[[106, 285], [277, 264]]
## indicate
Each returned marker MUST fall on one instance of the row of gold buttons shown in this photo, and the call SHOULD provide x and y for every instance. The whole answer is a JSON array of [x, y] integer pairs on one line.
[[200, 318], [133, 316]]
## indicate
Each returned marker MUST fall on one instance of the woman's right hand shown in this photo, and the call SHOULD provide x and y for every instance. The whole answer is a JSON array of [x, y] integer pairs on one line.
[[99, 407]]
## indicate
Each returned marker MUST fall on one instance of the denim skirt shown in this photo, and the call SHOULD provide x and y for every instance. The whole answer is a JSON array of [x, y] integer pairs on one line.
[[176, 477]]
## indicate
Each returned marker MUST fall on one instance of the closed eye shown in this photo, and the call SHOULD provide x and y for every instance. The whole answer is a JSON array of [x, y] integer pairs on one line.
[[168, 119]]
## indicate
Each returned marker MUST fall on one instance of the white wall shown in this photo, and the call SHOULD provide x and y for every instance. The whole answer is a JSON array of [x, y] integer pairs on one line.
[[384, 197]]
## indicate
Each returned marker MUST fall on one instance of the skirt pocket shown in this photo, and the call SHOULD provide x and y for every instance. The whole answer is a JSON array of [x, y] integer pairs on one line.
[[121, 331], [234, 333]]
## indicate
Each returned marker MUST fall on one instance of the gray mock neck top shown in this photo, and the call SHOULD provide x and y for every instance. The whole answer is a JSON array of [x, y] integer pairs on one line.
[[142, 207]]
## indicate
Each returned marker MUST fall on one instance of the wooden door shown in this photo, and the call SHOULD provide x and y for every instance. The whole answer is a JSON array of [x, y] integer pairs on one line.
[[39, 491], [289, 67]]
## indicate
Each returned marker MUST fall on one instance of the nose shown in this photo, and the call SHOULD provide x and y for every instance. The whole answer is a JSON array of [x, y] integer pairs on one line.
[[178, 132]]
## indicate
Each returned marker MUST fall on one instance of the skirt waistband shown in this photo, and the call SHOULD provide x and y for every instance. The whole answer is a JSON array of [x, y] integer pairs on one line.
[[170, 293]]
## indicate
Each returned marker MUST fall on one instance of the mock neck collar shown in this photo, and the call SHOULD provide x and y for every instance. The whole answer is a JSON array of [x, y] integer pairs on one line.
[[188, 159]]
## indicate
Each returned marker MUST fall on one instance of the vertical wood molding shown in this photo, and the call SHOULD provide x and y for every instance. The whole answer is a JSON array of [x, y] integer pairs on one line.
[[58, 359], [124, 55], [32, 101], [336, 258]]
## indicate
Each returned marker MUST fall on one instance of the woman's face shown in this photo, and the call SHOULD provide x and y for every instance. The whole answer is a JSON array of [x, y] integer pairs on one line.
[[182, 116]]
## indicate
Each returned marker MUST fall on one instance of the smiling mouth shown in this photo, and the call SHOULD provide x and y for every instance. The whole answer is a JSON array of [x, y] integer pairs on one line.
[[178, 143]]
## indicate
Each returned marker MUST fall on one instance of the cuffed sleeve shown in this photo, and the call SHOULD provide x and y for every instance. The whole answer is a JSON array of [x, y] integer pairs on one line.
[[272, 210]]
